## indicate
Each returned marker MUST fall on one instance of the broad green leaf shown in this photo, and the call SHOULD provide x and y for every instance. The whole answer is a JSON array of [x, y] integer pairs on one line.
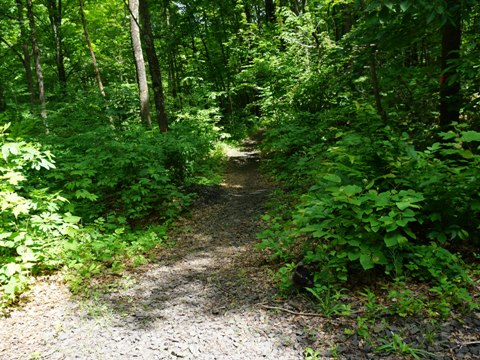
[[469, 136], [9, 148], [350, 190], [13, 177], [12, 268], [352, 256], [447, 135], [366, 261], [71, 219], [390, 4], [22, 208], [409, 232], [405, 5], [395, 238], [26, 254], [333, 178], [5, 235]]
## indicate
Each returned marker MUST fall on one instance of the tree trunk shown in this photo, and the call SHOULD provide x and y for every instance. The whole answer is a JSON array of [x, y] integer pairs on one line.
[[92, 53], [38, 66], [55, 15], [139, 63], [376, 88], [154, 66], [450, 100], [3, 103], [248, 13], [26, 53], [269, 11]]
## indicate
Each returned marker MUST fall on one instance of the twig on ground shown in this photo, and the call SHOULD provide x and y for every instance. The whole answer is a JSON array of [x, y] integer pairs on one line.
[[290, 311], [468, 343]]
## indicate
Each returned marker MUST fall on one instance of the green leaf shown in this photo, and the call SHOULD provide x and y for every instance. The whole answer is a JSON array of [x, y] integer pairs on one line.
[[405, 5], [27, 254], [5, 235], [389, 4], [71, 219], [469, 136], [333, 178], [350, 190], [393, 239], [366, 261], [352, 256], [12, 268]]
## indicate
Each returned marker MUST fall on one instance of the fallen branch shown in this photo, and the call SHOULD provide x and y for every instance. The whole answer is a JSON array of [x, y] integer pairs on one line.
[[290, 311], [469, 343]]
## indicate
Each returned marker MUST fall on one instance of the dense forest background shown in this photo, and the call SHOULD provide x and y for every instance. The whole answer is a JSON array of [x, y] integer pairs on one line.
[[112, 114]]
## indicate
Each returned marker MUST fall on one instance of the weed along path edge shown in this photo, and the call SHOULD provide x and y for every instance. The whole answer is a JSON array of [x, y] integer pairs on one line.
[[201, 300]]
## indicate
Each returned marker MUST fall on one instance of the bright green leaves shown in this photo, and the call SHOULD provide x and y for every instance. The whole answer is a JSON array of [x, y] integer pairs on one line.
[[405, 5], [470, 136], [30, 226], [333, 178], [395, 239], [360, 224]]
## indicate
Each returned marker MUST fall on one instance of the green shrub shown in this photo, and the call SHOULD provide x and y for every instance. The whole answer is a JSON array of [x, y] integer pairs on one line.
[[371, 202], [32, 227]]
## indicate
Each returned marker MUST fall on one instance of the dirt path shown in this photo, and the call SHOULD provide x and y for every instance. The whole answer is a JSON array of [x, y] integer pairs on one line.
[[201, 300]]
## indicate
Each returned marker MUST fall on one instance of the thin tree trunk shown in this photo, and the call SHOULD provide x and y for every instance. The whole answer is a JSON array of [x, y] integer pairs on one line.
[[172, 82], [248, 13], [26, 53], [450, 100], [154, 66], [376, 87], [139, 63], [38, 66], [92, 53], [55, 15], [269, 11], [3, 103]]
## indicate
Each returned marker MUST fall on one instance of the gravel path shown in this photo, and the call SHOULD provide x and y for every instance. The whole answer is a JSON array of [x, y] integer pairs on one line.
[[200, 300]]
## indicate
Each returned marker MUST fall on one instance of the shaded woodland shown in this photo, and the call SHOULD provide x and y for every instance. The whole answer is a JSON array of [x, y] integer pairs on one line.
[[113, 113]]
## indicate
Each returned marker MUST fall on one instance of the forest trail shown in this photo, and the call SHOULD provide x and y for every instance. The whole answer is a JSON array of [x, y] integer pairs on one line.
[[200, 300]]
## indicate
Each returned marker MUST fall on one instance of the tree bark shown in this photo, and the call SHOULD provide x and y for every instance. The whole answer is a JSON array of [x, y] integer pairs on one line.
[[3, 103], [92, 53], [376, 88], [38, 65], [154, 66], [26, 53], [55, 15], [450, 100], [139, 63], [269, 11]]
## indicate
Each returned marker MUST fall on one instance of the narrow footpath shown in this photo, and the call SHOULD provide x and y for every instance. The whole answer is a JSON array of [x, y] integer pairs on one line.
[[202, 299]]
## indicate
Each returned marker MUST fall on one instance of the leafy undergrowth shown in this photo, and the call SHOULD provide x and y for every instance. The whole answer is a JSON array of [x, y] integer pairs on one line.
[[374, 225], [90, 207]]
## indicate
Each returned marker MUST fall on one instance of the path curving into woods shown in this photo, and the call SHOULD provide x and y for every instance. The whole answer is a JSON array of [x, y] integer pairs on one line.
[[202, 299]]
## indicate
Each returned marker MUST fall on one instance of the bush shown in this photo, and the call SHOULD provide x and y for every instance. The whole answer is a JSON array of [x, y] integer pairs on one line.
[[371, 202], [32, 227]]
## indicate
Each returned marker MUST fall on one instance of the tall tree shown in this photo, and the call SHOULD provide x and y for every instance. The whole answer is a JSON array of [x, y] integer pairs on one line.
[[90, 48], [139, 63], [38, 65], [55, 16], [154, 66], [450, 101], [269, 11], [26, 61]]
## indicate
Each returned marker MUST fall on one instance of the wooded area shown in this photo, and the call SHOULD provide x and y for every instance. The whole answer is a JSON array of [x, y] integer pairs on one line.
[[112, 113]]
